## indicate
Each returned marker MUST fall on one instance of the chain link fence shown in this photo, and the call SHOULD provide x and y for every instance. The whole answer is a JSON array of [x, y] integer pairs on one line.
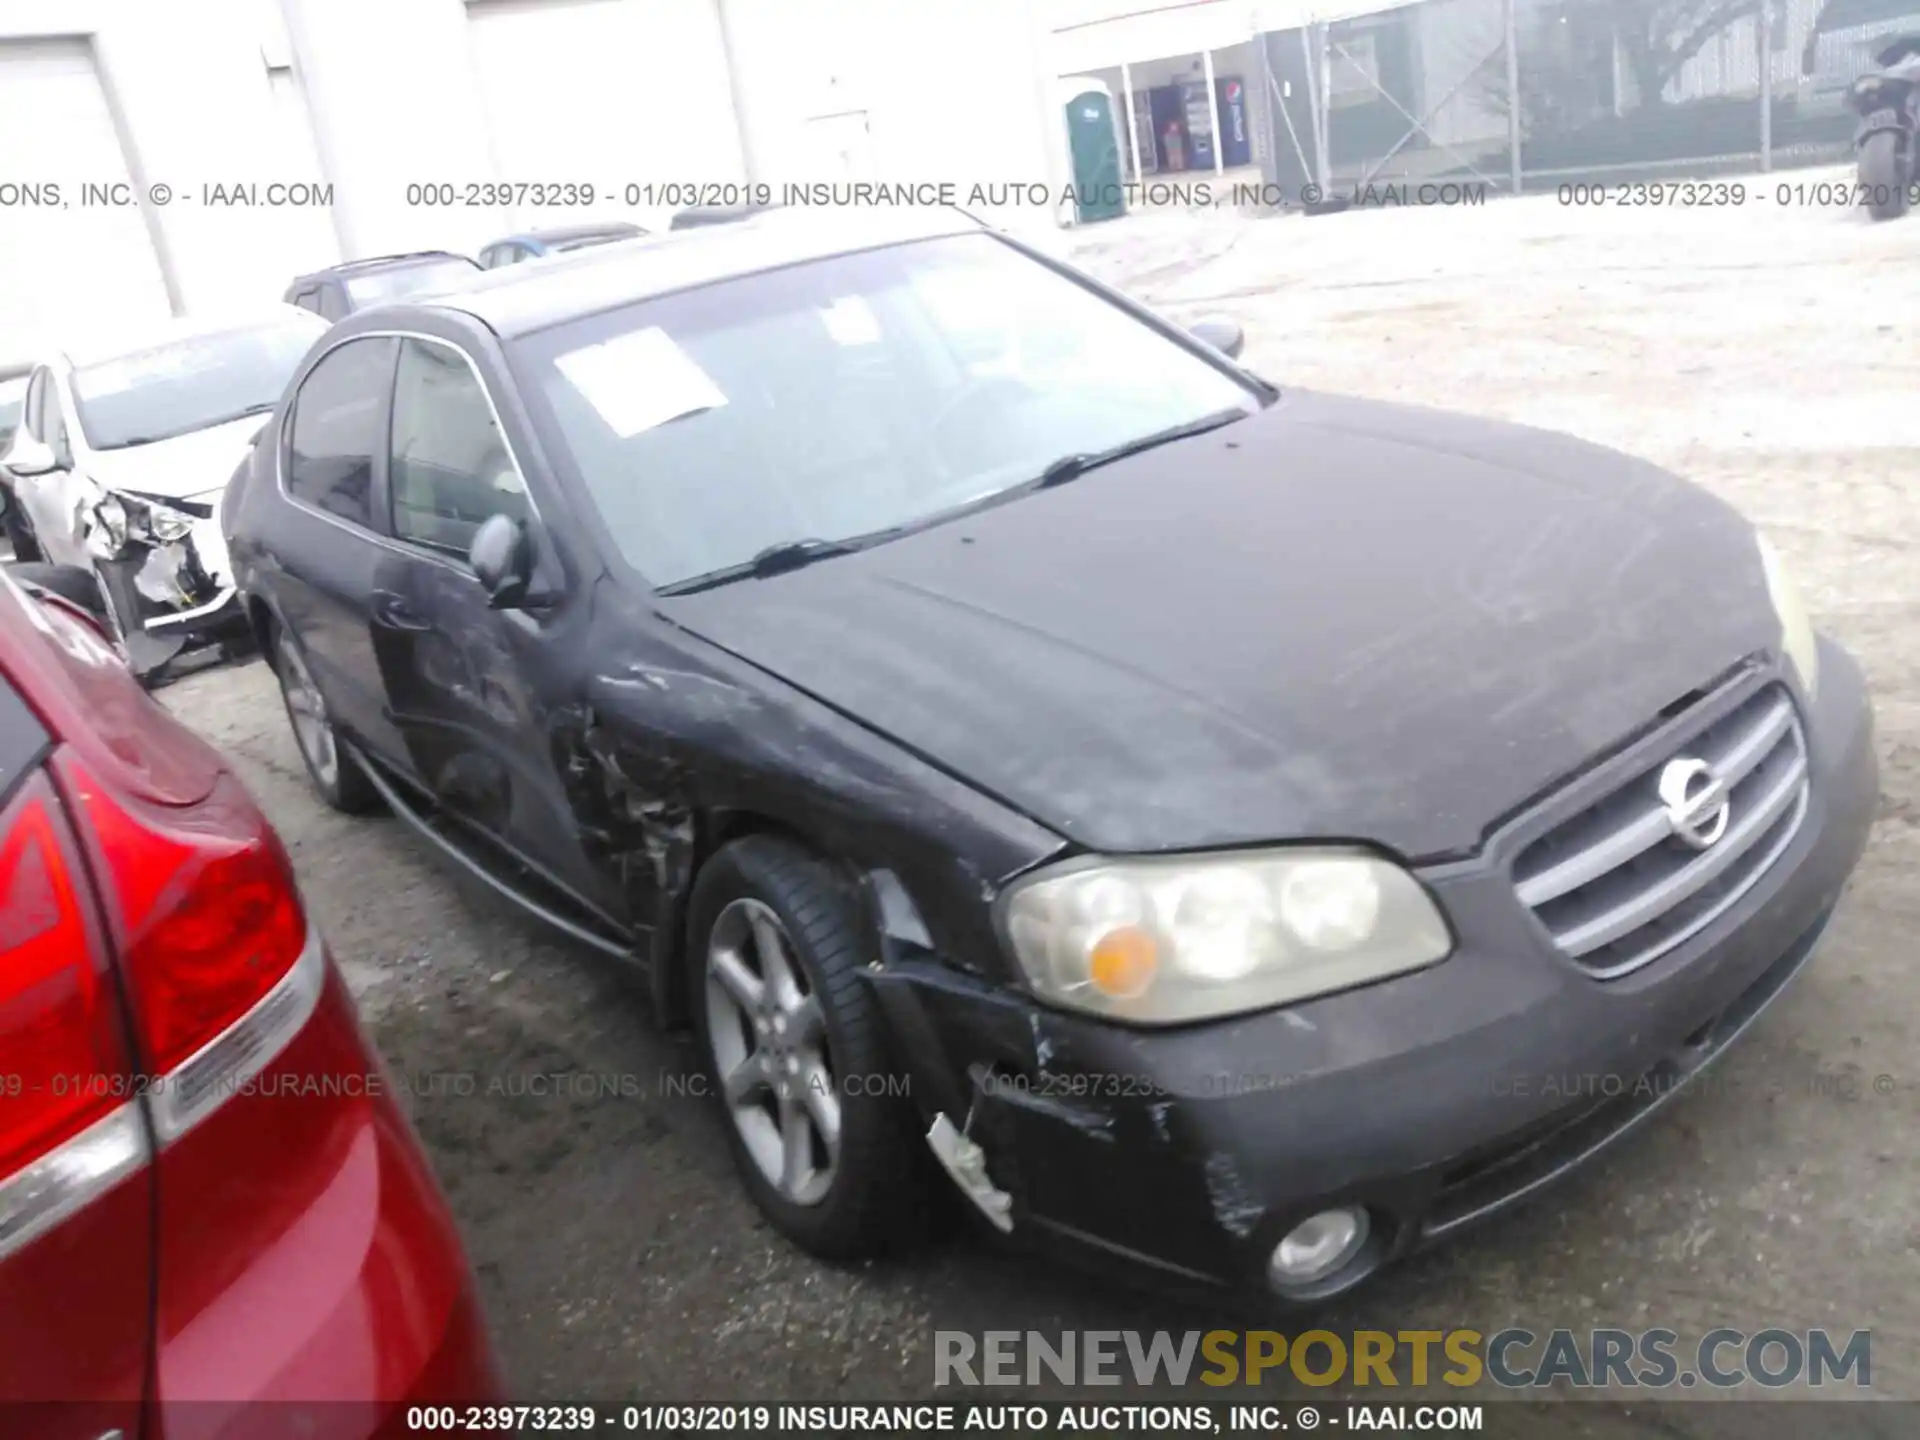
[[1516, 95]]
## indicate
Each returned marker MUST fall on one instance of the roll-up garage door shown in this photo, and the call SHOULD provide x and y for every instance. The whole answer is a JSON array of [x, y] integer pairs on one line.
[[75, 251], [610, 93]]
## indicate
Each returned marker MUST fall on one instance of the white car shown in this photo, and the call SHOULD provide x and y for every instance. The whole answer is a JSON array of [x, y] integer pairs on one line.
[[13, 396], [122, 454]]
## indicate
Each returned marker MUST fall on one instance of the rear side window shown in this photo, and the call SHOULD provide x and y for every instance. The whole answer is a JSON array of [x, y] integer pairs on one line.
[[335, 431], [450, 469]]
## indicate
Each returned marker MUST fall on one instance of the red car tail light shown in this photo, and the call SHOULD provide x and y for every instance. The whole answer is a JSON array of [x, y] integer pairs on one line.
[[69, 1128], [220, 964]]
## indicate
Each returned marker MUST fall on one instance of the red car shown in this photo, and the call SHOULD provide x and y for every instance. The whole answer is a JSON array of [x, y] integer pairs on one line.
[[213, 1214]]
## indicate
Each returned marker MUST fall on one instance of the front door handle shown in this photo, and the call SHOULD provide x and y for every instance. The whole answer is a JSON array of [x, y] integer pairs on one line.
[[396, 614]]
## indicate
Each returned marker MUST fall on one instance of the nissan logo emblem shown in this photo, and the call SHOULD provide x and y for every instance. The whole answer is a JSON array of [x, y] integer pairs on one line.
[[1696, 801]]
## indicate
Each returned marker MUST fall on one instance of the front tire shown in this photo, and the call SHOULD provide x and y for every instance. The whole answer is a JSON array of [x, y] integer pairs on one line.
[[335, 774], [1883, 176], [796, 1054]]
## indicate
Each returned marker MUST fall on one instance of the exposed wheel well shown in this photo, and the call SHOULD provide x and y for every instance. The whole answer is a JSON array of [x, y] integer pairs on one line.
[[260, 621], [673, 951]]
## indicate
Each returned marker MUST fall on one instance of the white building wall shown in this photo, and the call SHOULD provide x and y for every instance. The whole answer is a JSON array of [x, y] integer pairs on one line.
[[1137, 34], [192, 106], [394, 102], [370, 97], [632, 97], [917, 91]]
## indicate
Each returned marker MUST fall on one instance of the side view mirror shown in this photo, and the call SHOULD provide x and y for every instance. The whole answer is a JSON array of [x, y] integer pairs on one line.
[[28, 457], [1226, 336], [502, 560]]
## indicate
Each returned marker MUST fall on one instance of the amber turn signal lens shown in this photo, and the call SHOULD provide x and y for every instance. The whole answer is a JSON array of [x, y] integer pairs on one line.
[[1122, 962]]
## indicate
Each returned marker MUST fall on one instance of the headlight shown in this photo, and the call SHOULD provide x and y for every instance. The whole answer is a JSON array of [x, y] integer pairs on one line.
[[1162, 941], [120, 519], [167, 525], [1796, 630]]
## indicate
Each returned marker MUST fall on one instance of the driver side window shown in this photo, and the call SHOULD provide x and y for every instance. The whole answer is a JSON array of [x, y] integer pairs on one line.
[[450, 468]]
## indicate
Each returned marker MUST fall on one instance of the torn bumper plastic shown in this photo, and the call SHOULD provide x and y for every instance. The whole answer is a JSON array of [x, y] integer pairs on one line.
[[1433, 1100], [164, 561]]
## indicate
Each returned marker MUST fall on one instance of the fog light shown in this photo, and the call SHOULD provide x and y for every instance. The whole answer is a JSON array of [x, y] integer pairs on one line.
[[1319, 1246]]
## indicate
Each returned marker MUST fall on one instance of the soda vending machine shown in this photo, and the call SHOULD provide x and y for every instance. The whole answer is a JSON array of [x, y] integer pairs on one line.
[[1236, 144], [1197, 111]]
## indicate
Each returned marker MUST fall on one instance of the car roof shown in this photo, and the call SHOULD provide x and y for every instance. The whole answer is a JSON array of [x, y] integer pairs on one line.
[[90, 348], [713, 214], [518, 299], [371, 263], [561, 234]]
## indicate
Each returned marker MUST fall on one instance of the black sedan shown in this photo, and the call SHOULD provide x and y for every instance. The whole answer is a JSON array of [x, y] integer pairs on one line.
[[1245, 834]]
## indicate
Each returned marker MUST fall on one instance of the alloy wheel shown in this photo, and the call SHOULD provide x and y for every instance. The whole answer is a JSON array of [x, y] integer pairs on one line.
[[769, 1041], [308, 711]]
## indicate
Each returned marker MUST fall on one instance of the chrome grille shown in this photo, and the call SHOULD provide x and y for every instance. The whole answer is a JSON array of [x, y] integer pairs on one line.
[[1616, 886]]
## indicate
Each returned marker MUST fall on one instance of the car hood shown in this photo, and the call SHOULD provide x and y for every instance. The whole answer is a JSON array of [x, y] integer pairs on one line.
[[191, 466], [1337, 619]]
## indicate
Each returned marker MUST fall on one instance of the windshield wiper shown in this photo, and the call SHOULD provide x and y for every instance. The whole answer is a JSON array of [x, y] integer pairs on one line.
[[774, 560], [1072, 467], [265, 407], [792, 554]]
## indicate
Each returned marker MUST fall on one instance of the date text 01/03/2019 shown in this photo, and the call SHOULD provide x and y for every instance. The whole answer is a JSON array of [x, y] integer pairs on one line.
[[574, 194]]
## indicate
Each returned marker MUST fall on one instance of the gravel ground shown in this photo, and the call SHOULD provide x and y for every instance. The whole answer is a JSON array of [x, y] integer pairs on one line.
[[1765, 351]]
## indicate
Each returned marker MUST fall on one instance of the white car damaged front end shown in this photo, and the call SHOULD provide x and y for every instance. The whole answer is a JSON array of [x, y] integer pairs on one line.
[[146, 521], [176, 544]]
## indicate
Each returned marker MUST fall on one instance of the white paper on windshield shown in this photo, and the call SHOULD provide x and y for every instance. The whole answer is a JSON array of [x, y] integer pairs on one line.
[[640, 381], [850, 321]]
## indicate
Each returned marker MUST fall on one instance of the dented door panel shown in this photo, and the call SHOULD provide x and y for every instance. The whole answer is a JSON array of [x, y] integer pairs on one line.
[[669, 741]]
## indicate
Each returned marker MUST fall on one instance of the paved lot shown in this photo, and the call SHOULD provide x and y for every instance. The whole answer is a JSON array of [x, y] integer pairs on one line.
[[1767, 352]]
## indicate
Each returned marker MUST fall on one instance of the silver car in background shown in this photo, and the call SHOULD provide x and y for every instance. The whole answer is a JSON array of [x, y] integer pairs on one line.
[[122, 453]]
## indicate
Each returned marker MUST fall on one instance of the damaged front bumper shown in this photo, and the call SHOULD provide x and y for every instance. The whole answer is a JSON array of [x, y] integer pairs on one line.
[[164, 571], [1430, 1101]]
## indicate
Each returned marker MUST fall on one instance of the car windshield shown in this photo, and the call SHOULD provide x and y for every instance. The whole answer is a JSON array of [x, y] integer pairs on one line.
[[189, 385], [13, 395], [402, 280], [849, 396]]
